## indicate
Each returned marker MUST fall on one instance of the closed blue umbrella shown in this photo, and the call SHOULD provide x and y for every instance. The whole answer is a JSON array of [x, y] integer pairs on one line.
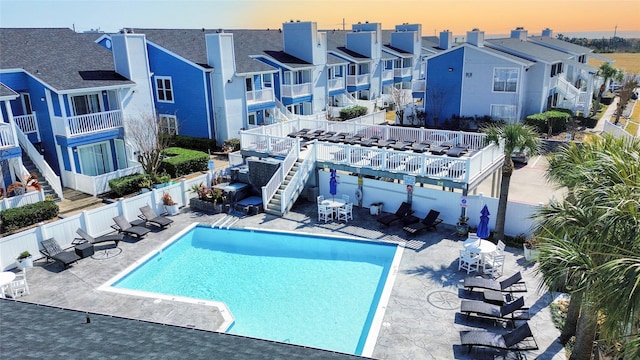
[[333, 183], [483, 226]]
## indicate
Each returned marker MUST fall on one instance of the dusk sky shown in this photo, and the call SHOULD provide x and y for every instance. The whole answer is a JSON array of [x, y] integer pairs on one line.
[[493, 17]]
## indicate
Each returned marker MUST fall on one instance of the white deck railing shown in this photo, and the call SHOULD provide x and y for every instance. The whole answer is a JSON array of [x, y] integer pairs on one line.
[[296, 90], [615, 130], [419, 85], [31, 197], [260, 96], [7, 136], [99, 184], [402, 72], [298, 180], [40, 163], [335, 84], [27, 123], [357, 80], [86, 124], [387, 75]]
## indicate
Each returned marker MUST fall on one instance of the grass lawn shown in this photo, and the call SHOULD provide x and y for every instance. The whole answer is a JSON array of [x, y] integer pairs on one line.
[[629, 62]]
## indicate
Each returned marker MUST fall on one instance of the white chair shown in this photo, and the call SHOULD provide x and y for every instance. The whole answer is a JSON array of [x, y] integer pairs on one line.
[[325, 213], [494, 266], [19, 286], [345, 198], [500, 247], [320, 198], [345, 212], [468, 261]]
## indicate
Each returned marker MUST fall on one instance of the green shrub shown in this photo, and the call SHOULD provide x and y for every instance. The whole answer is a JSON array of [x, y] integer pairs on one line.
[[129, 184], [194, 143], [17, 218], [181, 162], [550, 121], [231, 145], [353, 112]]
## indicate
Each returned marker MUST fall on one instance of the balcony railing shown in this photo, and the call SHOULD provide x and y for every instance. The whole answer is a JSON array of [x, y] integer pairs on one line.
[[419, 85], [387, 75], [27, 123], [86, 124], [7, 137], [335, 83], [260, 96], [403, 72], [357, 80], [296, 90]]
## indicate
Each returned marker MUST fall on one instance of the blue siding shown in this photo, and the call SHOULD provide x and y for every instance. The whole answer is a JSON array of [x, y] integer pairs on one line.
[[441, 79], [261, 106], [298, 100], [189, 92], [11, 153]]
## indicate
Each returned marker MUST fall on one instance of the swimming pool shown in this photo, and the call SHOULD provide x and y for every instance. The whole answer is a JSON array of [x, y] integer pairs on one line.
[[324, 292]]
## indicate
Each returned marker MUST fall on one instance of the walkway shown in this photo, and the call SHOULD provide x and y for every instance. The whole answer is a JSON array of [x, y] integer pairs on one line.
[[421, 319]]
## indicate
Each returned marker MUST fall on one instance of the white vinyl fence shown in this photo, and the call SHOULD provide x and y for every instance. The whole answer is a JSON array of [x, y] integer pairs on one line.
[[22, 200], [96, 221]]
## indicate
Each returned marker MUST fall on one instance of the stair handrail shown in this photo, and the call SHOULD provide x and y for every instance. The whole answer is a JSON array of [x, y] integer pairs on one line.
[[39, 161], [299, 178], [270, 189], [284, 111]]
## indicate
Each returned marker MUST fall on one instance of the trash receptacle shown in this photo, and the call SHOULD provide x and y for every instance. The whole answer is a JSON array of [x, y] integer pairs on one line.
[[312, 193]]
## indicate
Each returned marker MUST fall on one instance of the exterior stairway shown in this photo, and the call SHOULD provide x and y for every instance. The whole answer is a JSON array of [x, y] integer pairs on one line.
[[274, 206], [31, 167]]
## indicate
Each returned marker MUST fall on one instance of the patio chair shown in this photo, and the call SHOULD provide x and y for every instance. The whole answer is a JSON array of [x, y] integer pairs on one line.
[[513, 283], [338, 137], [345, 212], [311, 135], [52, 250], [510, 312], [458, 150], [520, 339], [369, 141], [493, 264], [468, 261], [19, 286], [403, 211], [421, 146], [429, 222], [441, 149], [300, 133], [325, 213], [85, 237], [384, 143], [149, 216], [123, 226], [400, 145]]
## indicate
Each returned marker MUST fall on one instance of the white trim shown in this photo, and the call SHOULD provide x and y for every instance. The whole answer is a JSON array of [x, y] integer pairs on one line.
[[169, 117], [206, 100], [164, 90], [493, 80]]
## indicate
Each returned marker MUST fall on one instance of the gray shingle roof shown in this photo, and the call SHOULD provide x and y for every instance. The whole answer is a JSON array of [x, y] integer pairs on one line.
[[59, 57], [336, 40], [528, 49], [573, 49], [42, 332], [5, 91]]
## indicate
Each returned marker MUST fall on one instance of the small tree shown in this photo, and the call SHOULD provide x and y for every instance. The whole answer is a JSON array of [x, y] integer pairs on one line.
[[145, 135], [435, 101], [401, 98], [607, 72], [629, 86]]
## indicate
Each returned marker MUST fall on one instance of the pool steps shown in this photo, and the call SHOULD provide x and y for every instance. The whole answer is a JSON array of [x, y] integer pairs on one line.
[[226, 221]]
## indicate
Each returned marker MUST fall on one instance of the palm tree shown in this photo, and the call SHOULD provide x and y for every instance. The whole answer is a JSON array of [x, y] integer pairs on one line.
[[592, 237], [514, 136], [607, 72]]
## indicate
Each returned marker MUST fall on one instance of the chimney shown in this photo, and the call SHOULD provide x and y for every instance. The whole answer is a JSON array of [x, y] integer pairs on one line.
[[519, 33], [547, 32], [475, 37], [446, 39]]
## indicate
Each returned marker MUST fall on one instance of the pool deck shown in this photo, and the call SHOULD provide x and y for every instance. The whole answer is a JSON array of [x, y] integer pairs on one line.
[[421, 321]]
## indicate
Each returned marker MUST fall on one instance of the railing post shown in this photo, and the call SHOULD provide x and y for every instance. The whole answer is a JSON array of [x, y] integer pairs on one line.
[[183, 191]]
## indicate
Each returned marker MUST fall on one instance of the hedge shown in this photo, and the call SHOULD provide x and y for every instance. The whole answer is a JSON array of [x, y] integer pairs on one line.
[[353, 112], [129, 184], [549, 121], [17, 218], [181, 162], [194, 143]]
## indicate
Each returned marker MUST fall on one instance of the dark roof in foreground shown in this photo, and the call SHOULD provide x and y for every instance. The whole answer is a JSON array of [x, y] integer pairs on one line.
[[41, 332], [59, 57]]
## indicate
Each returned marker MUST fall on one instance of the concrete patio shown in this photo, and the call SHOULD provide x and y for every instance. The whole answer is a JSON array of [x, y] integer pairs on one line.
[[421, 319]]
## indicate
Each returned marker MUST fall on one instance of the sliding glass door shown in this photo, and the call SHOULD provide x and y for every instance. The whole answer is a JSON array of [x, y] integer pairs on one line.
[[95, 159]]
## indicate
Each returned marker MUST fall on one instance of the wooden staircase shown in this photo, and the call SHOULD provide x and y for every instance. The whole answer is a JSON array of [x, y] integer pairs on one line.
[[274, 206]]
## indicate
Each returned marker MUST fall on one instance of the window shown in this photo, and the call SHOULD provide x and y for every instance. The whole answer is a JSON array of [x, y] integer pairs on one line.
[[505, 80], [249, 83], [267, 80], [556, 69], [164, 89], [85, 104], [503, 112], [251, 119], [168, 124], [95, 159]]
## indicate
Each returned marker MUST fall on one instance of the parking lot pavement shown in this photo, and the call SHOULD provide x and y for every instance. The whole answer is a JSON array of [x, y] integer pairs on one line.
[[528, 184]]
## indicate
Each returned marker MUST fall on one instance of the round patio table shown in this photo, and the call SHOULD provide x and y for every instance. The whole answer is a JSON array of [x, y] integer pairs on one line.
[[6, 277], [480, 246]]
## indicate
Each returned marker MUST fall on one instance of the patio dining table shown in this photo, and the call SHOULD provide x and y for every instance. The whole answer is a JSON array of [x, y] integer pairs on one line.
[[6, 277], [480, 246], [333, 204]]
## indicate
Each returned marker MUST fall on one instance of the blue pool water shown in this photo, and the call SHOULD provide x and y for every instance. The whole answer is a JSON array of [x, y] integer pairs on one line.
[[306, 290]]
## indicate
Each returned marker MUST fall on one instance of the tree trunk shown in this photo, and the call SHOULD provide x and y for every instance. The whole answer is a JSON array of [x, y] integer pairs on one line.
[[573, 312], [585, 333], [507, 171]]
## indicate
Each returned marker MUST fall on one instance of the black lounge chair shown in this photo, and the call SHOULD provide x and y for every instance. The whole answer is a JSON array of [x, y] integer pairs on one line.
[[512, 311], [311, 135], [325, 136], [421, 146], [429, 222], [403, 211], [513, 283], [401, 145], [441, 149], [384, 143], [85, 237], [369, 141], [520, 339], [353, 139], [338, 137], [300, 132], [458, 150], [52, 250], [149, 216], [123, 226]]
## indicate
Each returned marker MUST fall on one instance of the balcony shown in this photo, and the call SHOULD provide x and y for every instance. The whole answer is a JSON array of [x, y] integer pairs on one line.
[[7, 136], [402, 73], [419, 85], [335, 84], [297, 90], [260, 96], [387, 75], [26, 123], [358, 80], [87, 124]]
